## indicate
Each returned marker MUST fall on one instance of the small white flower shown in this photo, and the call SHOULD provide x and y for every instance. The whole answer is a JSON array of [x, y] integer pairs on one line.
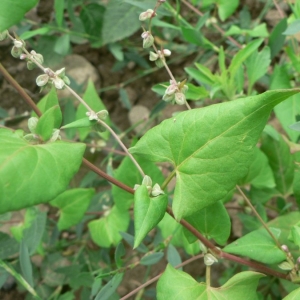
[[58, 83], [18, 43], [92, 115], [156, 190], [180, 98], [148, 39], [42, 80], [146, 14]]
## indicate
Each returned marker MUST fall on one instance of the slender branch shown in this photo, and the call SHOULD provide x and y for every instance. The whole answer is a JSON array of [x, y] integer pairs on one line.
[[122, 145], [259, 217], [217, 27], [20, 90], [281, 13], [188, 261]]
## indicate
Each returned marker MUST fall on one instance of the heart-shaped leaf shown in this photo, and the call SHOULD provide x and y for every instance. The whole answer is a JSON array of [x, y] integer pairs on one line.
[[210, 148], [178, 285], [259, 246], [147, 212], [34, 174]]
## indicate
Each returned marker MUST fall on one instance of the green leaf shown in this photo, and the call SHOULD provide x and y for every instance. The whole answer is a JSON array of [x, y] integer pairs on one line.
[[294, 295], [13, 11], [151, 259], [287, 111], [34, 174], [81, 123], [120, 251], [227, 8], [281, 162], [212, 221], [147, 212], [260, 173], [62, 45], [130, 240], [59, 6], [293, 28], [25, 263], [47, 101], [93, 100], [277, 39], [31, 230], [178, 285], [202, 75], [48, 121], [257, 65], [9, 246], [258, 245], [29, 34], [105, 232], [91, 16], [170, 228], [242, 55], [107, 291], [210, 148], [173, 256], [129, 175], [72, 205], [120, 21], [295, 234]]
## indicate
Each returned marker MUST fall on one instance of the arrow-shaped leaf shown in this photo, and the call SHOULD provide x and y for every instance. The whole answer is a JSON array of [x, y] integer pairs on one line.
[[147, 212], [210, 148]]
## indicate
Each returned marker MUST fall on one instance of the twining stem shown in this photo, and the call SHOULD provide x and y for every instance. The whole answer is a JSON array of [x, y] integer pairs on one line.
[[122, 145], [207, 276], [188, 261], [258, 216], [30, 56]]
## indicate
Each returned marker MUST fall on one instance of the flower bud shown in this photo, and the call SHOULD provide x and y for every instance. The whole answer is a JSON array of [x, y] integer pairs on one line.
[[58, 83], [19, 43], [60, 73], [147, 181], [102, 114], [168, 98], [16, 52], [153, 56], [285, 248], [23, 56], [203, 248], [42, 80], [30, 65], [146, 15], [55, 135], [92, 115], [32, 123], [39, 58], [209, 259], [156, 190], [286, 266], [167, 52], [180, 98], [3, 35], [148, 39], [160, 62]]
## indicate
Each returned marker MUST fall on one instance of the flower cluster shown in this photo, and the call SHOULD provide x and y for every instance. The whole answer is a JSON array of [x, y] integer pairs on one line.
[[102, 115], [148, 39], [31, 58], [153, 191], [175, 92], [58, 78]]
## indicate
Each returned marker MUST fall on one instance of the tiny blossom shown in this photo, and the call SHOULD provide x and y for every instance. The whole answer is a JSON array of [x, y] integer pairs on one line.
[[19, 43], [209, 259], [175, 92], [153, 56], [148, 39], [92, 115], [16, 52], [102, 114], [42, 80], [58, 83], [146, 14], [156, 190], [180, 98]]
